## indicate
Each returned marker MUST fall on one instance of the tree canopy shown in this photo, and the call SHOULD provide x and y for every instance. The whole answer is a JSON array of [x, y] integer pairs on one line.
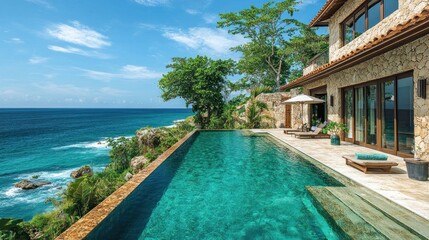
[[201, 82], [279, 45]]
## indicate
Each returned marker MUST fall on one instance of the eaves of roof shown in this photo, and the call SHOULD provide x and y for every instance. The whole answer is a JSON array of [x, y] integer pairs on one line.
[[328, 9], [395, 37]]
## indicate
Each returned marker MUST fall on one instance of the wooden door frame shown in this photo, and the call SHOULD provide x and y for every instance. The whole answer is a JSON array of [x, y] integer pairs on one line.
[[379, 84]]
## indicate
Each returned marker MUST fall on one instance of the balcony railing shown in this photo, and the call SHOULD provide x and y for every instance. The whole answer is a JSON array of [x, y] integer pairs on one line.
[[316, 61]]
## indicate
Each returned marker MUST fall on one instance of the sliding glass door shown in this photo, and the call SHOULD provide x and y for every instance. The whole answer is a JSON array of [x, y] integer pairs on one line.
[[405, 109], [359, 115], [380, 114], [388, 115], [371, 114], [348, 113]]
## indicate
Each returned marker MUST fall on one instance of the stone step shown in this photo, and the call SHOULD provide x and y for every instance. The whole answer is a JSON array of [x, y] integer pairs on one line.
[[362, 214], [342, 217], [413, 222], [390, 228]]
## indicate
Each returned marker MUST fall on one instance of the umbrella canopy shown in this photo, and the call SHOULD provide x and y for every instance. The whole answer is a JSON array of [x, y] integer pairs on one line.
[[302, 98]]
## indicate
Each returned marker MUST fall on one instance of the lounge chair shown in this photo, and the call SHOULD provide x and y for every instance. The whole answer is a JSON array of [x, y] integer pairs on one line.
[[316, 134], [365, 165], [293, 130]]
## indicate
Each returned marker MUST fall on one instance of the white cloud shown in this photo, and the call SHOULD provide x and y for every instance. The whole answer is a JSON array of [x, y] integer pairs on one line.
[[14, 40], [42, 3], [152, 3], [78, 51], [112, 91], [78, 34], [37, 60], [126, 72], [192, 11], [64, 89], [206, 39], [210, 18]]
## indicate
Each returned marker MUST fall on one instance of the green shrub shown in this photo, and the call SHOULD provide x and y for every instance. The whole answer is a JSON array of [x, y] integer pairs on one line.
[[123, 150], [12, 229]]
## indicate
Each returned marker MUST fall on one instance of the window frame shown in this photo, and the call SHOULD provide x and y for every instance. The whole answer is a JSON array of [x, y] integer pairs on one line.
[[365, 6]]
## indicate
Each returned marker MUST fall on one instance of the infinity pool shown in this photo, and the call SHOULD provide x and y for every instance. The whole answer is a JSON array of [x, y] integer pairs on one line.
[[224, 185]]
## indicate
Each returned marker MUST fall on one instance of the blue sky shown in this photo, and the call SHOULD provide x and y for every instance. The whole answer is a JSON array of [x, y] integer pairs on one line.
[[94, 53]]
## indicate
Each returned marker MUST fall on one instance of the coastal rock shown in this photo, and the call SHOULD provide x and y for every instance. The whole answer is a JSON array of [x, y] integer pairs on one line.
[[137, 163], [83, 171], [27, 184], [128, 176], [150, 137]]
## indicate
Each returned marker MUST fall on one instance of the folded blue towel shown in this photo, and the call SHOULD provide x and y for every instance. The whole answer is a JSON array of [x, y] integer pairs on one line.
[[371, 156]]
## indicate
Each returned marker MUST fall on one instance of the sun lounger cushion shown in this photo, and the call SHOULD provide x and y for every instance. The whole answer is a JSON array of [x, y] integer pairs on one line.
[[371, 156]]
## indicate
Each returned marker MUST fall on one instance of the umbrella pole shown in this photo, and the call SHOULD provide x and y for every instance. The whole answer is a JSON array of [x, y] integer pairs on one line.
[[302, 114]]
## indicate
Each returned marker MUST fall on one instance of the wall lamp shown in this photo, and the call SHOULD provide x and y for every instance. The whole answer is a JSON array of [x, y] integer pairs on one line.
[[331, 100], [421, 88]]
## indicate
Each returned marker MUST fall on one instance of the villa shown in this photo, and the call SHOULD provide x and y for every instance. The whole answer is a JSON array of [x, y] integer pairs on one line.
[[374, 77], [225, 184]]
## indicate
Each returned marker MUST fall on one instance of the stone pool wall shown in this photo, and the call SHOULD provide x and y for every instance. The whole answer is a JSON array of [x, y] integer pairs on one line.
[[91, 220]]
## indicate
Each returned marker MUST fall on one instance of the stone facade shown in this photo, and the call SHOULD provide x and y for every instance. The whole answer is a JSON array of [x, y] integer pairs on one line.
[[413, 56], [407, 9], [277, 109], [275, 106]]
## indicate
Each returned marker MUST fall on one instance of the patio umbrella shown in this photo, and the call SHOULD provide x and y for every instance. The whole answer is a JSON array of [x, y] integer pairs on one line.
[[303, 99]]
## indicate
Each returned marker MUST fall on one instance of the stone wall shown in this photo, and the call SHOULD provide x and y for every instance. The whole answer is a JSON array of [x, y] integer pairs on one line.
[[410, 57], [407, 9], [276, 108]]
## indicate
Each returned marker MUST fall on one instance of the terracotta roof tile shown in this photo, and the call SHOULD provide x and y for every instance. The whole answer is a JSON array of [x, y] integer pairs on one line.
[[376, 41]]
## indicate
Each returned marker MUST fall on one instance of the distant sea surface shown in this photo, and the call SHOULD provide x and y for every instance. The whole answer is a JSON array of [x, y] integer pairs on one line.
[[51, 143]]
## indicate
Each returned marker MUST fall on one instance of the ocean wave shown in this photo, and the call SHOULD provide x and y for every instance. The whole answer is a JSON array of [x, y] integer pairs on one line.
[[98, 145], [11, 195], [101, 144], [175, 123], [12, 192], [47, 176]]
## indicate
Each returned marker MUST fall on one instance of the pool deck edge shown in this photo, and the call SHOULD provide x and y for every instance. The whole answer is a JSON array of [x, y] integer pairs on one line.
[[81, 228], [397, 187]]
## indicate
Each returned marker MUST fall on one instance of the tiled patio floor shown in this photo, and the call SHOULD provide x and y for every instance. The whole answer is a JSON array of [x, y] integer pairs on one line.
[[396, 186]]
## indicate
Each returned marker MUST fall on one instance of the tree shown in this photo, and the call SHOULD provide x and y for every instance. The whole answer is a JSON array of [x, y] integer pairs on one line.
[[255, 109], [267, 30], [304, 46], [201, 82], [279, 47]]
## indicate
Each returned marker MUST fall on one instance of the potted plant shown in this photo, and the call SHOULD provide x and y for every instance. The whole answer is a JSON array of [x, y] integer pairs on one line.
[[334, 128], [417, 168]]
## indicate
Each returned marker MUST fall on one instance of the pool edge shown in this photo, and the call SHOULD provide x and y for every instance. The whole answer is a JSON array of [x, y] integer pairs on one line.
[[84, 226]]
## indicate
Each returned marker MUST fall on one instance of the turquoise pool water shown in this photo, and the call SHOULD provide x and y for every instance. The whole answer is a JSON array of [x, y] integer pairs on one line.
[[223, 185]]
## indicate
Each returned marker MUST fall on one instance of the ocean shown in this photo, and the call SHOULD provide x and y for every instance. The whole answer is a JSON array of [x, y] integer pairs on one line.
[[51, 143]]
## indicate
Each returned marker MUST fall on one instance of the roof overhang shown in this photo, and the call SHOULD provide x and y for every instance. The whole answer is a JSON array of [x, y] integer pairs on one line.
[[328, 9], [396, 37]]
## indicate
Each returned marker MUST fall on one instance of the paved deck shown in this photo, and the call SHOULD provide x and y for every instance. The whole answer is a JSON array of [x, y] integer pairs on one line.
[[396, 186]]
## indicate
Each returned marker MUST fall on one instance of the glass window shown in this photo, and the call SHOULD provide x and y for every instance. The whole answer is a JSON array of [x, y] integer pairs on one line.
[[359, 114], [371, 114], [362, 21], [374, 15], [360, 26], [388, 115], [348, 31], [389, 7], [348, 112], [405, 115]]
